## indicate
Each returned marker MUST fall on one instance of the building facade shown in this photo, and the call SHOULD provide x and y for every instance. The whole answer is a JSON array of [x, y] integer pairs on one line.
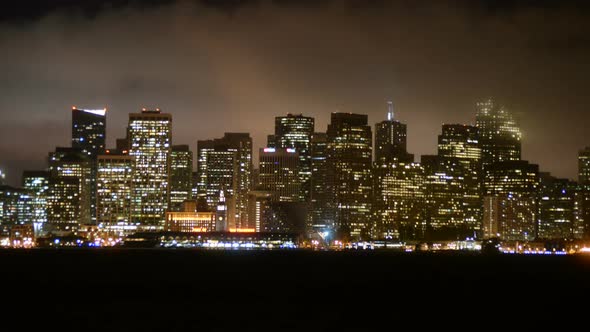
[[391, 140], [279, 174], [115, 174], [70, 185], [515, 185], [225, 164], [150, 138], [295, 131], [319, 213], [349, 178], [37, 184], [181, 176], [499, 134]]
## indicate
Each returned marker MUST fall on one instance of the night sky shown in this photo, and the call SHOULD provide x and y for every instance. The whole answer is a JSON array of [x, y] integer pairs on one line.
[[233, 66]]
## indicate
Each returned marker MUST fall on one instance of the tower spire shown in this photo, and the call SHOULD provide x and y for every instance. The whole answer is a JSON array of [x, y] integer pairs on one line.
[[389, 111]]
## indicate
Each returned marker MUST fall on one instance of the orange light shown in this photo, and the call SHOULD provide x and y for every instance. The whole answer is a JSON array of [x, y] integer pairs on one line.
[[242, 230]]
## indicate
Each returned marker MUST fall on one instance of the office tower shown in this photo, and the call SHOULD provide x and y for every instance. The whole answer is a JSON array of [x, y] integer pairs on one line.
[[399, 200], [89, 135], [226, 164], [499, 134], [69, 199], [391, 140], [295, 131], [259, 209], [453, 186], [349, 179], [89, 131], [557, 208], [582, 228], [150, 137], [115, 174], [584, 167], [37, 184], [189, 220], [320, 216], [279, 174], [16, 209], [511, 189], [181, 176]]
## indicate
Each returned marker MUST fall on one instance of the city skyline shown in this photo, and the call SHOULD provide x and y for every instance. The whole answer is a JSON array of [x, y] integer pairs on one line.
[[346, 57]]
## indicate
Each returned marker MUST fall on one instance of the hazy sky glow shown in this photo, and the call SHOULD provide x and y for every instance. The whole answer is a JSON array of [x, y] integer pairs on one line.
[[236, 65]]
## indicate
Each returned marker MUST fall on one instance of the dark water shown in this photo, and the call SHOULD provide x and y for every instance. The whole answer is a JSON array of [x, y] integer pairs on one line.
[[178, 290]]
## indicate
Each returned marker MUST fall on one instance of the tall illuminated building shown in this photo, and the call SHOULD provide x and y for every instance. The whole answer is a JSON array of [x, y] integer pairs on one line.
[[115, 174], [557, 208], [295, 131], [583, 195], [454, 184], [499, 134], [37, 184], [349, 179], [391, 140], [89, 135], [89, 130], [399, 200], [150, 137], [181, 176], [510, 200], [584, 167], [69, 199], [226, 164], [320, 216], [279, 174], [16, 208]]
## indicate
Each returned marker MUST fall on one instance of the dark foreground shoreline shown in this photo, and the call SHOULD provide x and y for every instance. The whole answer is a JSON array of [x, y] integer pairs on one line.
[[170, 290]]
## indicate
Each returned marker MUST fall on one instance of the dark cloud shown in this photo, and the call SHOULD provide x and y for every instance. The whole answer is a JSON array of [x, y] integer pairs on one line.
[[217, 72]]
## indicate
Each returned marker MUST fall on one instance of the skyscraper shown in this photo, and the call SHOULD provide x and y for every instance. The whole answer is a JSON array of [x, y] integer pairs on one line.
[[557, 208], [511, 190], [391, 140], [295, 131], [115, 174], [89, 131], [499, 134], [399, 200], [89, 135], [69, 200], [181, 176], [279, 174], [454, 184], [226, 164], [150, 137], [584, 167], [583, 195], [320, 216], [37, 184], [349, 174]]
